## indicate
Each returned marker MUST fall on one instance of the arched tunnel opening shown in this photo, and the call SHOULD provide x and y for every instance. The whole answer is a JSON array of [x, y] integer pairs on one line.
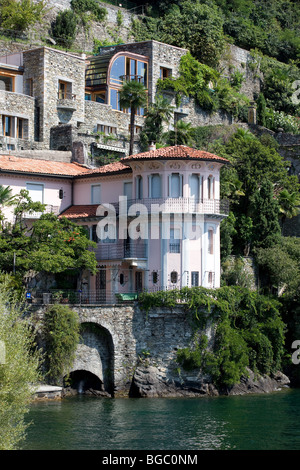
[[84, 382]]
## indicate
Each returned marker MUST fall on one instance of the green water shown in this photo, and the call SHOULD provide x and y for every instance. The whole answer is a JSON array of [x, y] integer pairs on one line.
[[253, 422]]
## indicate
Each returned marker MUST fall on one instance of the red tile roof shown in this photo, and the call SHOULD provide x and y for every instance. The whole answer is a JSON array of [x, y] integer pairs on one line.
[[174, 152], [80, 212], [45, 167], [114, 167]]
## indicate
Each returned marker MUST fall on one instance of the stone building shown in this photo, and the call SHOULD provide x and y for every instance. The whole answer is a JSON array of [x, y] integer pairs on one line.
[[50, 99]]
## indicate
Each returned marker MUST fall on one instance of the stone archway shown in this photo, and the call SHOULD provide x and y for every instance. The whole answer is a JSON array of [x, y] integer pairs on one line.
[[84, 381], [95, 357]]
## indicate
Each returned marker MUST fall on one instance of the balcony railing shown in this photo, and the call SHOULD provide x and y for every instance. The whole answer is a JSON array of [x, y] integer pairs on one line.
[[179, 205], [36, 215], [66, 96], [119, 250]]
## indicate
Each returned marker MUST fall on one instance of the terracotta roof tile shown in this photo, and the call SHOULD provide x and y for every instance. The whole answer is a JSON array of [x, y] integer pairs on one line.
[[110, 168], [48, 167], [174, 152], [80, 212]]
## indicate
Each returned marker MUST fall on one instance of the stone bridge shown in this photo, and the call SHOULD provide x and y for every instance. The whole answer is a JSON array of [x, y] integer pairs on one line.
[[115, 338]]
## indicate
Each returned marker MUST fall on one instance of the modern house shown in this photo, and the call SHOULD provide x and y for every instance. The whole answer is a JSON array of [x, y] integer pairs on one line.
[[155, 216], [51, 99]]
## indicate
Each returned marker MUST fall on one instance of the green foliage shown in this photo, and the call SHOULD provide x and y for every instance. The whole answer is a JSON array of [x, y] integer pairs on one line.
[[261, 110], [65, 27], [249, 330], [158, 113], [96, 12], [192, 25], [260, 175], [204, 84], [61, 330], [51, 244], [19, 372], [280, 266], [133, 95], [19, 15]]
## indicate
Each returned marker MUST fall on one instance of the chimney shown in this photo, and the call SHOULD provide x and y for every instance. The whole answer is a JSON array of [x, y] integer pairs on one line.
[[152, 146], [79, 153]]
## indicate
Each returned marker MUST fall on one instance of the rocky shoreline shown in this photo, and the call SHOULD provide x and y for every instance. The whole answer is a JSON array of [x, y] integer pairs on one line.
[[148, 383]]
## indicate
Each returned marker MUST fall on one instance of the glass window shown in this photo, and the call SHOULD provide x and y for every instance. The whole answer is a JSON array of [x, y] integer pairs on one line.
[[195, 278], [36, 192], [175, 185], [155, 186], [142, 72], [174, 240], [118, 70], [139, 187], [165, 73], [174, 277], [88, 97], [154, 277], [96, 193], [6, 83], [210, 187], [195, 186], [114, 99], [210, 241]]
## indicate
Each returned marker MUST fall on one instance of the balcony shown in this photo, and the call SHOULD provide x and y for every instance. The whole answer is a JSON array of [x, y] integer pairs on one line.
[[121, 250], [66, 101], [181, 205], [36, 215]]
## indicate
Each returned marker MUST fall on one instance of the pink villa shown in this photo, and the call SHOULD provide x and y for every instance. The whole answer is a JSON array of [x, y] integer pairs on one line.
[[155, 216]]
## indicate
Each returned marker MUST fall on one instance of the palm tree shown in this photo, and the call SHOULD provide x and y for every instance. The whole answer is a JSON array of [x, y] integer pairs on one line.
[[133, 95], [158, 112], [6, 199], [289, 205], [181, 135], [6, 196]]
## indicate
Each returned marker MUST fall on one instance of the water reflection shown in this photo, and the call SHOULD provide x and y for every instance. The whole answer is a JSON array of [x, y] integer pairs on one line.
[[250, 422]]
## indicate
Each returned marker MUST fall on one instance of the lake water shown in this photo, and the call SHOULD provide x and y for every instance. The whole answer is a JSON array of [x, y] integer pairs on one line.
[[252, 422]]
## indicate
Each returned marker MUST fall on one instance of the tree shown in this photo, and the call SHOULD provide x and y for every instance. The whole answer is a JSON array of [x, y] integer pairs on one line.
[[158, 112], [19, 15], [261, 175], [64, 28], [261, 110], [19, 368], [265, 211], [181, 135], [133, 95], [288, 205], [51, 244]]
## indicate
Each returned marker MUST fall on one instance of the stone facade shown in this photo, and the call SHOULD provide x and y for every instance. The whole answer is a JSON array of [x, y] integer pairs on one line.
[[116, 339], [47, 68]]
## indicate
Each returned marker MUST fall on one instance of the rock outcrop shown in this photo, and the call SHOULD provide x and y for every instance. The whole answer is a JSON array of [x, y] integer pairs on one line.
[[149, 382]]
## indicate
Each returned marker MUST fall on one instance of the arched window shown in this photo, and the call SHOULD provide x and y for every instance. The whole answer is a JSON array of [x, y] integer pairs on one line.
[[154, 277], [122, 279], [210, 241], [174, 277], [154, 186], [210, 187], [139, 187], [175, 185]]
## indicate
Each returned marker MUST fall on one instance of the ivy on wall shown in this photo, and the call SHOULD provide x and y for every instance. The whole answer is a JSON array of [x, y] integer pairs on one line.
[[249, 331], [61, 330]]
